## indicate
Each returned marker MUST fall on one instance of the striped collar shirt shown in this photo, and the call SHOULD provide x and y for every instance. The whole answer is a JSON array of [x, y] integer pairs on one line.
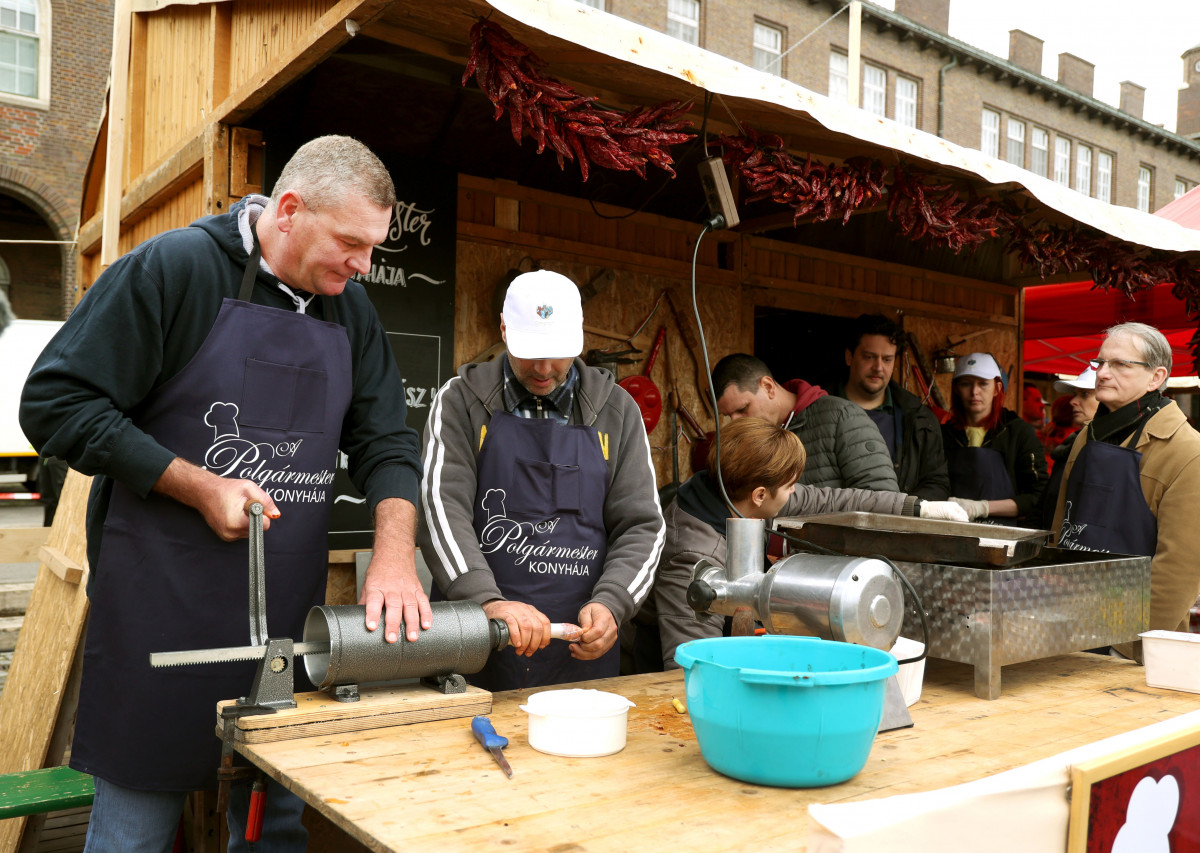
[[520, 401]]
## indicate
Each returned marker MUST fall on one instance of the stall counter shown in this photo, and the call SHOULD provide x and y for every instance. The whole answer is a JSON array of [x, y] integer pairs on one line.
[[431, 787]]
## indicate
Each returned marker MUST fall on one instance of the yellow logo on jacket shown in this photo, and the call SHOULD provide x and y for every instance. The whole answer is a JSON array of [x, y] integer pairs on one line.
[[602, 437]]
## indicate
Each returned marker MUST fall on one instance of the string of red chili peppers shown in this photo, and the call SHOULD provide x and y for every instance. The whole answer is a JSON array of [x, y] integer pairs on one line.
[[554, 114]]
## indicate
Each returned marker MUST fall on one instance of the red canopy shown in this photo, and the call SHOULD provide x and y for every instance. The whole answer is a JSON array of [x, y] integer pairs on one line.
[[1064, 323]]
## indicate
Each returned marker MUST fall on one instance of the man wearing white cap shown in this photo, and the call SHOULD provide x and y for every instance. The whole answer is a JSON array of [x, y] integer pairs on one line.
[[996, 462], [539, 499]]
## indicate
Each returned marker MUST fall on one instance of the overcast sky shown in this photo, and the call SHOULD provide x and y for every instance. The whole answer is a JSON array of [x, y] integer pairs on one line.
[[1136, 40]]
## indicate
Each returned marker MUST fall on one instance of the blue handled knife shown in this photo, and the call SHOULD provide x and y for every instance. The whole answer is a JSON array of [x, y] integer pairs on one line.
[[492, 742]]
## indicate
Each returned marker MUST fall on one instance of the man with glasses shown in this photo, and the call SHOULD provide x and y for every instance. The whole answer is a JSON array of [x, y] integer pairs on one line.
[[1133, 476]]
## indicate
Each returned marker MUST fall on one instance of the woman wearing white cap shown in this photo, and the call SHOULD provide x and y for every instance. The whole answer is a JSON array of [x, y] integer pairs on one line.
[[996, 462]]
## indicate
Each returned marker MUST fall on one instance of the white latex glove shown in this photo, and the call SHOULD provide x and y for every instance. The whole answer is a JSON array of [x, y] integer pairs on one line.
[[947, 510], [975, 509]]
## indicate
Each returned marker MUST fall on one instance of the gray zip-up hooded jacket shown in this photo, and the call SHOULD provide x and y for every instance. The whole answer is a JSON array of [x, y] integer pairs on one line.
[[632, 515]]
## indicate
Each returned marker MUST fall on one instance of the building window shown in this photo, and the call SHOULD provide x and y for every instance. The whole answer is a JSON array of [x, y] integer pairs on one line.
[[1181, 187], [1104, 162], [768, 49], [906, 101], [874, 89], [19, 57], [683, 20], [1145, 177], [990, 142], [1040, 143], [839, 76], [1062, 161], [5, 281], [1083, 170], [1016, 142]]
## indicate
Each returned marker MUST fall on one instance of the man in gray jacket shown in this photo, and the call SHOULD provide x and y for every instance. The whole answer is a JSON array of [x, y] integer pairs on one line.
[[539, 498], [844, 448]]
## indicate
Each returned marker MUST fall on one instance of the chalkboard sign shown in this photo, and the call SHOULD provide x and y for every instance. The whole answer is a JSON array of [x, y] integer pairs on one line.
[[411, 284]]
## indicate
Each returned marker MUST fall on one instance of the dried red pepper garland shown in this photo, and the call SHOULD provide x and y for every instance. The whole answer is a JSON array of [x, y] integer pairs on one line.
[[938, 215], [826, 191], [554, 114]]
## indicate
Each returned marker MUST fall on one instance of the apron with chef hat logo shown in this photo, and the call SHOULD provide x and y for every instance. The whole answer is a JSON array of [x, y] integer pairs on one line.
[[1104, 509], [263, 399], [539, 518]]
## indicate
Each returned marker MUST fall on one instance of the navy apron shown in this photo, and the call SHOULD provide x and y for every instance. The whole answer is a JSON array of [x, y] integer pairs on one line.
[[539, 518], [263, 399], [1104, 508], [979, 474]]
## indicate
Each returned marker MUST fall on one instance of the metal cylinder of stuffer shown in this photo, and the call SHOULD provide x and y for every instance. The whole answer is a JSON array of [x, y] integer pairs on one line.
[[458, 642], [851, 599]]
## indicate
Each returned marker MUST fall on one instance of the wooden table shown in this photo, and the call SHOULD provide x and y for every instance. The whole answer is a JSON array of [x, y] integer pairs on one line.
[[431, 787]]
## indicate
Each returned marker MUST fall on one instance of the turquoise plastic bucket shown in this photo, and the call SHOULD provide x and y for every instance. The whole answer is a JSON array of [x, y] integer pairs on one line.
[[796, 712]]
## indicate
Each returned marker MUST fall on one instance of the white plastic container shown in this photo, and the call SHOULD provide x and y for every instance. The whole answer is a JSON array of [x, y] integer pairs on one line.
[[911, 675], [577, 723], [1172, 660]]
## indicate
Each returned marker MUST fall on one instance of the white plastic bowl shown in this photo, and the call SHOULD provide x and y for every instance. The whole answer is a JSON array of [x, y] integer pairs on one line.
[[1172, 660], [911, 675], [577, 723]]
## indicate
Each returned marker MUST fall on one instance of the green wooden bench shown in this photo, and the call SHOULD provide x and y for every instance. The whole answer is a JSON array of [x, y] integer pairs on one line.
[[50, 789]]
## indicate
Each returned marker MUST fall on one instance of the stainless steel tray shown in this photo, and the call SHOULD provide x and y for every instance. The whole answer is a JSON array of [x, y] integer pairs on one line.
[[918, 540]]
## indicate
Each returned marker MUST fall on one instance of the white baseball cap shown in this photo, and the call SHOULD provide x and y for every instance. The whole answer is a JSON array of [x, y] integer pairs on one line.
[[543, 316], [1085, 381], [980, 365]]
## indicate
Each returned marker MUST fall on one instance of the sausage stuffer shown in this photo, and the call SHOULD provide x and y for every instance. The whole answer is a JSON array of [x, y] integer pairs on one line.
[[848, 599], [340, 653]]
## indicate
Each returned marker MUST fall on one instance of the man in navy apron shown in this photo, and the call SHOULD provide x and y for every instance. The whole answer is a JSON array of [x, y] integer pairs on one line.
[[216, 364], [539, 499], [1132, 481]]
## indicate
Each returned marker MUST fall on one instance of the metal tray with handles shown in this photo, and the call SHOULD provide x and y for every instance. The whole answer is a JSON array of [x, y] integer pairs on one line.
[[917, 540]]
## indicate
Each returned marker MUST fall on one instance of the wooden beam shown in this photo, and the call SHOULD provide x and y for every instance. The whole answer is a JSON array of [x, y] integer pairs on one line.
[[400, 37], [245, 162], [770, 292], [136, 111], [220, 41], [322, 38], [180, 167], [62, 565], [114, 165], [216, 168], [1034, 280]]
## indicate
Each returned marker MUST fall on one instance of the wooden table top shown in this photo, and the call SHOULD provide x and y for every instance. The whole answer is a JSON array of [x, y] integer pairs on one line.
[[431, 787]]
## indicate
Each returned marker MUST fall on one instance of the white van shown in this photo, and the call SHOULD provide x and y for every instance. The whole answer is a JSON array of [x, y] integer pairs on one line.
[[21, 342]]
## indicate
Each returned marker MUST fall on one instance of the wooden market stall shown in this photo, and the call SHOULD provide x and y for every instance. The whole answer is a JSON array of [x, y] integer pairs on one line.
[[209, 99]]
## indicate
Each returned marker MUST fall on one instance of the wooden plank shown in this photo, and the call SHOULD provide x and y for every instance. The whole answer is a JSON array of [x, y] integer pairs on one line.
[[41, 666], [114, 164], [62, 565], [22, 544], [319, 714], [34, 791], [600, 255], [219, 50], [14, 598], [216, 168], [136, 123]]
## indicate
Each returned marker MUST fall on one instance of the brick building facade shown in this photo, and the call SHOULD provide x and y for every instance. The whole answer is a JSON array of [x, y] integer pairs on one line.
[[54, 65], [912, 71]]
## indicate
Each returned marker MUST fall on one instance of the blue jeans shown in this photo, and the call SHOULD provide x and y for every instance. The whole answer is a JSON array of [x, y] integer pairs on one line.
[[125, 820]]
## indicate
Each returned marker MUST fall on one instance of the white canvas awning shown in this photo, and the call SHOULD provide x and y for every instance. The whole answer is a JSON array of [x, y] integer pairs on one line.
[[743, 87]]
